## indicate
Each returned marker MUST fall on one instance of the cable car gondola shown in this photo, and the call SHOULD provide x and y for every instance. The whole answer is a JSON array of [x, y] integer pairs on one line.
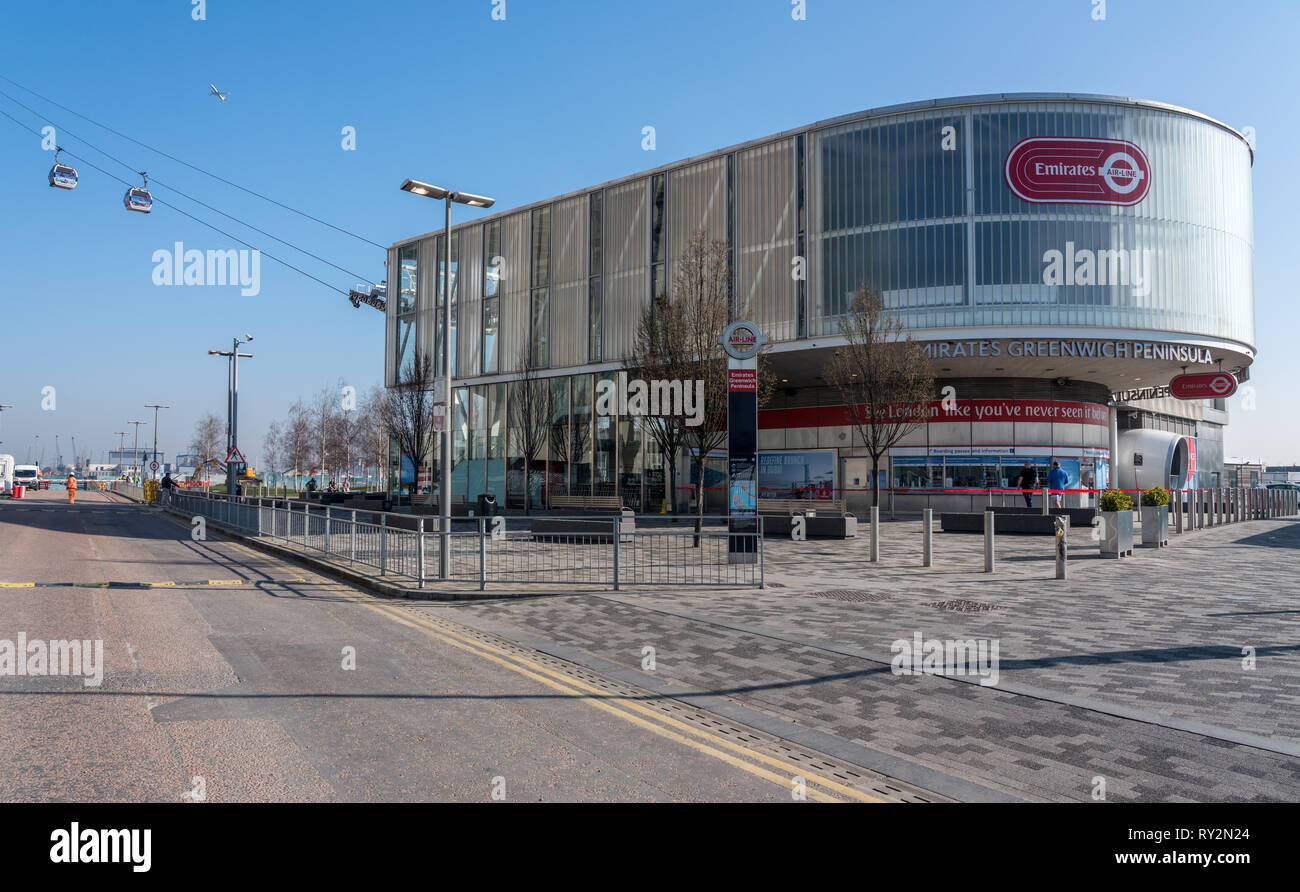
[[62, 176], [137, 198]]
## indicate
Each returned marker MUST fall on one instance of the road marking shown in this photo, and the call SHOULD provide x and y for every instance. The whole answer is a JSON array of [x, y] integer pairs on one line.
[[529, 667], [597, 698], [778, 780]]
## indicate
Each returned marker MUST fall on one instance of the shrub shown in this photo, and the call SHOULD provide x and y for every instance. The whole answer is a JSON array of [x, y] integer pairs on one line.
[[1156, 497], [1116, 500]]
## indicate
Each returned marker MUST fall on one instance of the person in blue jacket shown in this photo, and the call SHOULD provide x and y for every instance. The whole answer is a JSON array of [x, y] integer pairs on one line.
[[1057, 480]]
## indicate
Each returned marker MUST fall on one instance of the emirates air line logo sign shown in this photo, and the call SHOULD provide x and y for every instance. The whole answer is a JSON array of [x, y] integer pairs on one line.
[[1073, 170]]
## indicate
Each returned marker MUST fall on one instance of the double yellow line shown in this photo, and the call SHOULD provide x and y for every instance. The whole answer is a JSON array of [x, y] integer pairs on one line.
[[684, 733]]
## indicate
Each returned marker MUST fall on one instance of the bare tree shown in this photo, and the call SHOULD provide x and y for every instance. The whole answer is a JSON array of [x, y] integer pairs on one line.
[[208, 440], [406, 411], [372, 435], [295, 443], [882, 375], [272, 457], [677, 340], [529, 418]]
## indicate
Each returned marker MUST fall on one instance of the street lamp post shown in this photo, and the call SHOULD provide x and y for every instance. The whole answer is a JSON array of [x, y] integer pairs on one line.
[[155, 432], [121, 449], [135, 451], [444, 476], [232, 405]]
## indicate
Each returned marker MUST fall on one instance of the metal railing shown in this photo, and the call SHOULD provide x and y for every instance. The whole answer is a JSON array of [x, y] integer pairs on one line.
[[514, 549]]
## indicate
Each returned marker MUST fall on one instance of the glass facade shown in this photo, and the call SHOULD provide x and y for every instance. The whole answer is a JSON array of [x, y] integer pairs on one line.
[[914, 201], [407, 295], [919, 205]]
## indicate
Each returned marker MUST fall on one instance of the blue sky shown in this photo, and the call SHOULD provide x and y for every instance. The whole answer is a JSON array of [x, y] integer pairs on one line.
[[549, 100]]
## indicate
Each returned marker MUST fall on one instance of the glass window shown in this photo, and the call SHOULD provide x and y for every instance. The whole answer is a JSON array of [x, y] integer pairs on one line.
[[405, 344], [496, 442], [541, 327], [558, 475], [580, 423], [541, 247], [658, 196], [604, 471], [491, 253], [596, 231], [409, 277], [594, 315], [916, 473], [491, 326], [630, 461]]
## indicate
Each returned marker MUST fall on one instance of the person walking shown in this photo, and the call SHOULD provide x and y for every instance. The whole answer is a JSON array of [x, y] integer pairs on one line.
[[167, 485], [1028, 480], [71, 485], [1057, 481]]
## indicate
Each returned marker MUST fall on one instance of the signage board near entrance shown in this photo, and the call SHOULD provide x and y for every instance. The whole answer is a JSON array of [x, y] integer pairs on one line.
[[742, 341], [1203, 386], [1074, 170]]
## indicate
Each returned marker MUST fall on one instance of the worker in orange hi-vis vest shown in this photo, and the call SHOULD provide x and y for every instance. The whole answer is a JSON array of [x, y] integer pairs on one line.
[[72, 488]]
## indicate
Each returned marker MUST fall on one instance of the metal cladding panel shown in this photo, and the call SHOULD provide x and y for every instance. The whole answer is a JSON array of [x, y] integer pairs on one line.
[[469, 301], [569, 282], [515, 232], [427, 320], [627, 275], [697, 200], [765, 229], [390, 320]]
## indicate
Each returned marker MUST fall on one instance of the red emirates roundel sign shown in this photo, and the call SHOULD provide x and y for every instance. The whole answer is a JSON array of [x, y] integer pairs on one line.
[[1074, 170], [1205, 386]]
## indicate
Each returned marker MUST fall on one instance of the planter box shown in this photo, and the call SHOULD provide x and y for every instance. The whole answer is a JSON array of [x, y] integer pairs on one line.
[[1155, 525], [1117, 534]]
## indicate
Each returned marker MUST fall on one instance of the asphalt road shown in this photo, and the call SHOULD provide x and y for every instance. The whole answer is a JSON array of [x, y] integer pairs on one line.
[[225, 664]]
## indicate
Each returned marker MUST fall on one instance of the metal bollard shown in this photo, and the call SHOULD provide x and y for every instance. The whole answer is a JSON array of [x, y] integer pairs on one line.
[[419, 551], [927, 538], [1178, 511], [1062, 523], [988, 541], [1046, 506], [383, 544], [875, 533]]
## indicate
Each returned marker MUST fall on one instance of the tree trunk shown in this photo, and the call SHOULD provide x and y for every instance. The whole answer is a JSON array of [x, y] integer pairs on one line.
[[671, 485], [699, 497]]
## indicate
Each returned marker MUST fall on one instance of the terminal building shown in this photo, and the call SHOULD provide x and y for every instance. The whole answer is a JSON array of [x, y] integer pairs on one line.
[[1060, 257]]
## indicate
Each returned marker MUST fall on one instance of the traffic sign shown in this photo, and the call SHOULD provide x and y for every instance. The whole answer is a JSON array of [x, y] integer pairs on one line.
[[1204, 386], [235, 457], [153, 465]]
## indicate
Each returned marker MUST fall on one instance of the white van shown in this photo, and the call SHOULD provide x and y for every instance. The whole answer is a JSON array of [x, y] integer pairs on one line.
[[28, 476], [6, 474]]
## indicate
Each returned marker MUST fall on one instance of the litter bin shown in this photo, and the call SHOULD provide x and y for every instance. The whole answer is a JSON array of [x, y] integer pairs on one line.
[[19, 490], [487, 504]]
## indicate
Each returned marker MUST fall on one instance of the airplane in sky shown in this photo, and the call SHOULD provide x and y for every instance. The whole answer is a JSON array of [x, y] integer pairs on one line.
[[217, 93]]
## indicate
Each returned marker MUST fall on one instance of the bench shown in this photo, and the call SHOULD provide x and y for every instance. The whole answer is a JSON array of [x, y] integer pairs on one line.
[[555, 526], [1079, 517], [588, 504], [1035, 524], [823, 519]]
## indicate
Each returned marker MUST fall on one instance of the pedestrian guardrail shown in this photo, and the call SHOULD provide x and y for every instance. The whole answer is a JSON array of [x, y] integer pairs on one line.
[[514, 549]]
